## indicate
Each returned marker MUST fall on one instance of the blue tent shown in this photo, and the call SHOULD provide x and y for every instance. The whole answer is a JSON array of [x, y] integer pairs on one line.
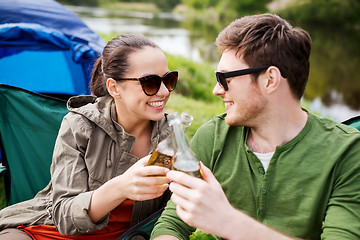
[[45, 48]]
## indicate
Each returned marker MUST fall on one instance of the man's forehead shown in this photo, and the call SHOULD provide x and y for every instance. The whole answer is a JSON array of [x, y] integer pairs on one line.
[[229, 61]]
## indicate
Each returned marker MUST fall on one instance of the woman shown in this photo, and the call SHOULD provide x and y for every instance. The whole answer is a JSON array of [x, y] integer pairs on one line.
[[99, 183]]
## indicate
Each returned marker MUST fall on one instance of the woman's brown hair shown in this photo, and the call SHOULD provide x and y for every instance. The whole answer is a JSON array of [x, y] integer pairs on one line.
[[113, 63]]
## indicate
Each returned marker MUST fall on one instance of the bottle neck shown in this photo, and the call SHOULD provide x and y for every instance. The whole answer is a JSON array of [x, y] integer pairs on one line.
[[180, 136]]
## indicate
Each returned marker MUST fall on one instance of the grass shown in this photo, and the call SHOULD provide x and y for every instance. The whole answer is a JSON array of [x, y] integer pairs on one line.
[[201, 111]]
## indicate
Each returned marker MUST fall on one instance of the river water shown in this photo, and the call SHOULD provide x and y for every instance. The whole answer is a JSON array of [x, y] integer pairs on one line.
[[333, 89]]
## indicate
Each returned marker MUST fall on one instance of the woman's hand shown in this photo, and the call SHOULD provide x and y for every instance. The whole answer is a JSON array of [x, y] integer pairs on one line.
[[141, 182], [137, 183]]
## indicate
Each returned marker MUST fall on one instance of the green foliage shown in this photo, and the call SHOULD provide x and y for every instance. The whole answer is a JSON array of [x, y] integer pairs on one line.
[[199, 4], [327, 75], [166, 5], [244, 7], [334, 57], [226, 10], [202, 111], [324, 12], [196, 80], [199, 235], [108, 37]]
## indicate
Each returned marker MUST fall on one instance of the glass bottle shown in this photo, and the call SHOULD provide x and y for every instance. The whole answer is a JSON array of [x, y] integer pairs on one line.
[[184, 159], [186, 119], [164, 152]]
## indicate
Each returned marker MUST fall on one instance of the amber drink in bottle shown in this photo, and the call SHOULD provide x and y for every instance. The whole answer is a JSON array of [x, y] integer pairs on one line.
[[164, 152], [191, 168]]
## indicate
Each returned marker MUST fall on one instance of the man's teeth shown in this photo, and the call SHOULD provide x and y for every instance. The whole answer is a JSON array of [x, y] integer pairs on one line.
[[156, 104], [228, 104]]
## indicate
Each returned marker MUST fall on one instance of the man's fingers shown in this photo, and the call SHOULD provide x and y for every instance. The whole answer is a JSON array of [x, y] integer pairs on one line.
[[181, 202], [208, 176], [180, 190], [184, 179]]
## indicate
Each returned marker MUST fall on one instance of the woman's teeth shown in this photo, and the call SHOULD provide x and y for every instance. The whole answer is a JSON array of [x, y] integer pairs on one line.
[[156, 104]]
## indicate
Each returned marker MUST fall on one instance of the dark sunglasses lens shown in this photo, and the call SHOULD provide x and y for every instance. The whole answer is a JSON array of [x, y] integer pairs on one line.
[[151, 85], [222, 80], [170, 80]]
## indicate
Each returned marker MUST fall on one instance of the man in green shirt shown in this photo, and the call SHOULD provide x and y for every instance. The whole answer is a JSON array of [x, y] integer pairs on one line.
[[271, 169]]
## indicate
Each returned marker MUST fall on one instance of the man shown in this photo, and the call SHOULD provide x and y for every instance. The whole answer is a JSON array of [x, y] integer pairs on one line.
[[273, 170]]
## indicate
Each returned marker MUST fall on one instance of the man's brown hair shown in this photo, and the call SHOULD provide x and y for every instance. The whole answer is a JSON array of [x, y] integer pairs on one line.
[[267, 39]]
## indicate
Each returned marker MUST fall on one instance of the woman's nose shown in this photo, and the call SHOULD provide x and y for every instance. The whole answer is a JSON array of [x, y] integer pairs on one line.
[[163, 91]]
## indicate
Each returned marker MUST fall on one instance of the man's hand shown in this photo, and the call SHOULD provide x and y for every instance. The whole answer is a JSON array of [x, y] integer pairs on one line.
[[200, 203], [203, 204]]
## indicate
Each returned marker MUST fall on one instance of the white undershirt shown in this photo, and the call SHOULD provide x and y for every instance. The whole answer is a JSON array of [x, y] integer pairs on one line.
[[264, 158]]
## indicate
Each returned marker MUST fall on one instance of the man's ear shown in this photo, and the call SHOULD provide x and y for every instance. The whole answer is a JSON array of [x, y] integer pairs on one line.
[[112, 88], [272, 83]]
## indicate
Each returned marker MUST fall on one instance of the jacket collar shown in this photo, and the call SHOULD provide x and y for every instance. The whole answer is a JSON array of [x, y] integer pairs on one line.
[[101, 111]]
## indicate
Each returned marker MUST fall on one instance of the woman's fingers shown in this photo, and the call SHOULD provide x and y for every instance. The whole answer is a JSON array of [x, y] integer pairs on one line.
[[153, 171]]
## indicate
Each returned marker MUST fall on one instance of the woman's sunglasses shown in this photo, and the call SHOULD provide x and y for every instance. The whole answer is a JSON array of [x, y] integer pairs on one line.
[[151, 84]]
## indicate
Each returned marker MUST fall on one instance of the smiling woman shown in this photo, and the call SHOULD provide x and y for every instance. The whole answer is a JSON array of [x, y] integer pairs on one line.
[[134, 99], [98, 175]]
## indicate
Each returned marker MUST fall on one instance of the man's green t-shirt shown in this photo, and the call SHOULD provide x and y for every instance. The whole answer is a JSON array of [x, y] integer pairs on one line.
[[310, 190]]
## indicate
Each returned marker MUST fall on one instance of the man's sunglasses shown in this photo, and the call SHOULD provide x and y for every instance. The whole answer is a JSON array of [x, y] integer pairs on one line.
[[151, 84], [222, 76]]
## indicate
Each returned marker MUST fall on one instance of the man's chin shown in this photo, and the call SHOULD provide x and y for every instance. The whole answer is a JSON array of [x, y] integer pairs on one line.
[[230, 121]]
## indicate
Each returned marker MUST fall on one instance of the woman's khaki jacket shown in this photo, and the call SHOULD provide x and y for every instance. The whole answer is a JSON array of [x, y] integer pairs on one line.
[[91, 148]]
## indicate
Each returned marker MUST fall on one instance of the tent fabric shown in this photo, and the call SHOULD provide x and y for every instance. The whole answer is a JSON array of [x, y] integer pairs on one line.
[[32, 36], [29, 36], [354, 122], [29, 124], [45, 48], [52, 14], [48, 61]]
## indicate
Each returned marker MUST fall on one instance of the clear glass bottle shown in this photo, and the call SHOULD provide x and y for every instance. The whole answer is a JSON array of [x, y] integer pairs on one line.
[[184, 159], [163, 154], [186, 119]]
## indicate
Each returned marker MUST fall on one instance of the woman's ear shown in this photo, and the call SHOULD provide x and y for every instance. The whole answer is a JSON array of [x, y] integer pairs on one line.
[[112, 88]]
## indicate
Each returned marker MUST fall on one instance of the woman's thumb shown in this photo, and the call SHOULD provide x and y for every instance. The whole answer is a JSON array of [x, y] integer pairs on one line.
[[143, 161]]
